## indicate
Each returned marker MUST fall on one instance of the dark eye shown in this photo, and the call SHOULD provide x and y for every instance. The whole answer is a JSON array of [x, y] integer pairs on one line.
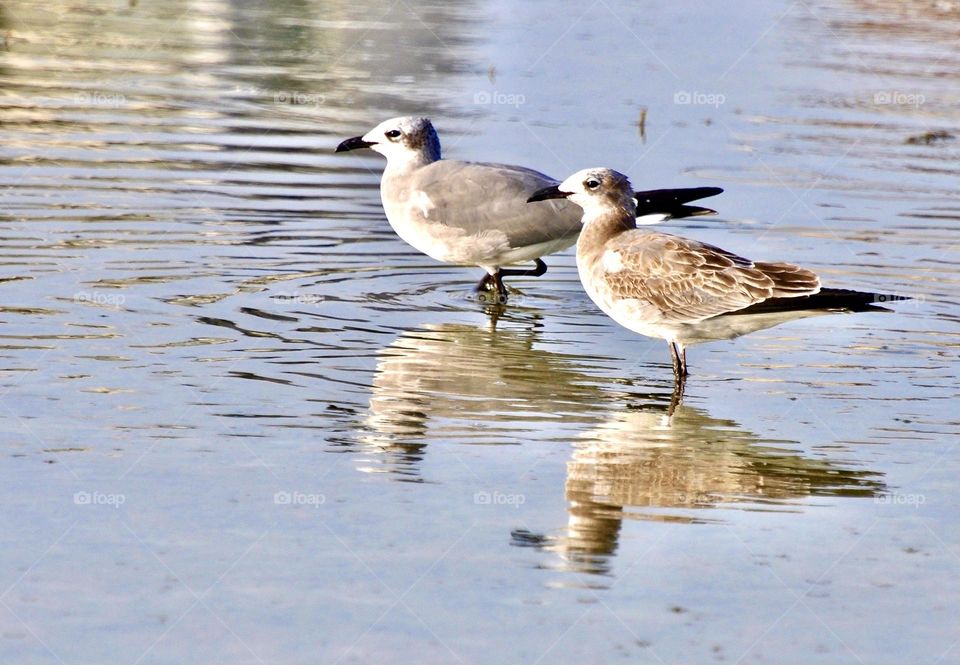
[[592, 183], [392, 134]]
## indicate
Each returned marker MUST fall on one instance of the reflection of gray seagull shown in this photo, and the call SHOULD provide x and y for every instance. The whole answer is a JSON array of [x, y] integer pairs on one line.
[[469, 213], [680, 290], [503, 380]]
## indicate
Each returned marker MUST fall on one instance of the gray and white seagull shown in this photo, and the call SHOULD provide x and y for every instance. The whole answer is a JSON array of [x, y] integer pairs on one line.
[[475, 214], [682, 290]]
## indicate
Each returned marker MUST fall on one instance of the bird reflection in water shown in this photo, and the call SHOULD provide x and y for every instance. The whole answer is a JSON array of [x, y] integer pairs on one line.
[[637, 455], [671, 462], [442, 381]]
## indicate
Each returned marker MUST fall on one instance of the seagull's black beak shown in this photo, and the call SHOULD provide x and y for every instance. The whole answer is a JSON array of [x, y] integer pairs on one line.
[[355, 143], [548, 193]]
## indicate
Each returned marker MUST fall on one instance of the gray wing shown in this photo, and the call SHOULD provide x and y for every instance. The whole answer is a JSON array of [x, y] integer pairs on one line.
[[686, 281], [478, 197]]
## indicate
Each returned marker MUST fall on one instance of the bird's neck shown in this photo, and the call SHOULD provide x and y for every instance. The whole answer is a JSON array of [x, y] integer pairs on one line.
[[601, 226], [411, 162]]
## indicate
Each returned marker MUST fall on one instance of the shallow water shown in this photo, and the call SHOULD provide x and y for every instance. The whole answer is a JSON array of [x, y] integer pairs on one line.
[[244, 422]]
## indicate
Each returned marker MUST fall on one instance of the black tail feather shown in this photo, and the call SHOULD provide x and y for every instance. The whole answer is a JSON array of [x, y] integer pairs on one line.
[[671, 201], [835, 299]]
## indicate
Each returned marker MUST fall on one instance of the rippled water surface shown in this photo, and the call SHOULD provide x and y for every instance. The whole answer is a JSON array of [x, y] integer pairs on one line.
[[244, 422]]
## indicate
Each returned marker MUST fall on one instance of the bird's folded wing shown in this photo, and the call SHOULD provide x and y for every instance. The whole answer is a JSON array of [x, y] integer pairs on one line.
[[478, 198], [684, 281]]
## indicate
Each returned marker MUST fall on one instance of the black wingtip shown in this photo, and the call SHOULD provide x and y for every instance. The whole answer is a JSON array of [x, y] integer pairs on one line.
[[673, 201], [693, 211], [846, 300]]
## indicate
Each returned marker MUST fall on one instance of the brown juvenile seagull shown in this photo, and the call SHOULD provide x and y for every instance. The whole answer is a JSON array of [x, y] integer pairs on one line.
[[681, 290], [476, 214]]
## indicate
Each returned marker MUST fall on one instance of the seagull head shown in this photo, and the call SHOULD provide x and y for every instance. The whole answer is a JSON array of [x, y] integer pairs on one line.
[[597, 191], [404, 140]]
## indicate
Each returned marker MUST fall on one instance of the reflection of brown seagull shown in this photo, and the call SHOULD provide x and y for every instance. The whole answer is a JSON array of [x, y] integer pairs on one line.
[[681, 290], [645, 464]]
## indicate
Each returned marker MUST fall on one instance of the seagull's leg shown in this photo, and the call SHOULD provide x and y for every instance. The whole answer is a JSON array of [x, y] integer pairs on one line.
[[536, 272], [497, 279], [678, 354], [677, 363], [515, 272], [492, 281], [484, 284], [541, 269]]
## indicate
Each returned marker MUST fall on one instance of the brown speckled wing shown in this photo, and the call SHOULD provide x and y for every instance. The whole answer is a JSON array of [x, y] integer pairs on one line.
[[790, 280], [686, 281]]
